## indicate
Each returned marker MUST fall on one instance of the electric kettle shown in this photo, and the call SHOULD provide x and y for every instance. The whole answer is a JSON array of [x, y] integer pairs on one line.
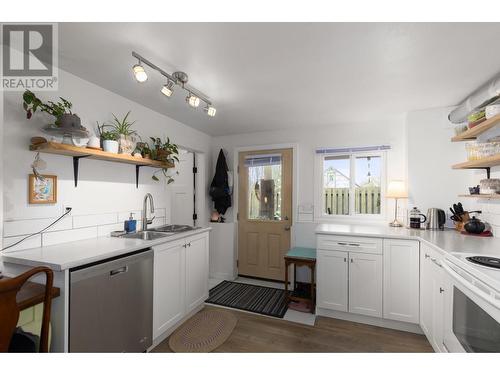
[[435, 219]]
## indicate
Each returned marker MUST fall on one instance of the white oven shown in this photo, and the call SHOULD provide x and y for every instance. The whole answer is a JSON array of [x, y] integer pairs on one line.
[[472, 313]]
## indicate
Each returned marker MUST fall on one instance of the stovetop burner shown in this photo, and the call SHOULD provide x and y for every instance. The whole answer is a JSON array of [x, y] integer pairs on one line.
[[485, 261]]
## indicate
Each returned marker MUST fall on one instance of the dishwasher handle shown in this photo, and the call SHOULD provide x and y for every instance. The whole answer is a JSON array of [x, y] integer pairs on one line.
[[118, 271]]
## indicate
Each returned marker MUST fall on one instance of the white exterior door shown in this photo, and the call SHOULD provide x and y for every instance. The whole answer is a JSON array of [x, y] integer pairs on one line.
[[401, 280], [196, 271], [332, 283], [365, 284], [169, 288]]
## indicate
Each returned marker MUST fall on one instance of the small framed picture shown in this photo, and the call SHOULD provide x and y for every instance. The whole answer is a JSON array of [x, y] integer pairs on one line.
[[42, 190]]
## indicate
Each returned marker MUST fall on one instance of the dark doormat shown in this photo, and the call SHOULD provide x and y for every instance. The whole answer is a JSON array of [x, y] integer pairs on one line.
[[257, 299]]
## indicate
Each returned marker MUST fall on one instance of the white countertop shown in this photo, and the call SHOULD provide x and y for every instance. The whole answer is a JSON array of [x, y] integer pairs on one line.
[[73, 254], [448, 240]]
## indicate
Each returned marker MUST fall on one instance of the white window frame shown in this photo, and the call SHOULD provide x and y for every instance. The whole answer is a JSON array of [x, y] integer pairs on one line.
[[320, 215]]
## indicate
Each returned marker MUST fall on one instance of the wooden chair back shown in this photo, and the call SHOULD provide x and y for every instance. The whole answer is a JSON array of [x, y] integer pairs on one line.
[[9, 311]]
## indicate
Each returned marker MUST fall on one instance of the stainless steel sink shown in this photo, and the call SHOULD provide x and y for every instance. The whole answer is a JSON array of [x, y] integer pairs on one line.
[[147, 235], [173, 228]]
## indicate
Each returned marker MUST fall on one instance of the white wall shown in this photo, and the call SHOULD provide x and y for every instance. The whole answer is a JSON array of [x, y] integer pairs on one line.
[[106, 190], [389, 131], [431, 180]]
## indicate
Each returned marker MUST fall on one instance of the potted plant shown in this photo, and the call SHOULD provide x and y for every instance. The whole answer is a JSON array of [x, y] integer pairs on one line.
[[125, 134], [164, 150], [143, 149], [65, 120], [109, 142], [167, 152]]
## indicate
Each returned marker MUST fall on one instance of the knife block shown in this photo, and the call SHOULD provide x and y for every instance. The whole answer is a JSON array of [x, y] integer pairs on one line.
[[459, 225]]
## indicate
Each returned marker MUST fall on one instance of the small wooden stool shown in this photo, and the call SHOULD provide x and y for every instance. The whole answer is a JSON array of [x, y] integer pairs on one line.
[[301, 256]]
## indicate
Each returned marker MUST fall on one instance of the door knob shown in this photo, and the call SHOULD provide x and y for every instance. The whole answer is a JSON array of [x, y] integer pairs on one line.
[[287, 227]]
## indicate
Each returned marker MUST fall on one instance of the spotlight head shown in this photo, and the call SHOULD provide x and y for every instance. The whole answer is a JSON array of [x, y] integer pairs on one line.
[[167, 89], [140, 73], [193, 101], [210, 111]]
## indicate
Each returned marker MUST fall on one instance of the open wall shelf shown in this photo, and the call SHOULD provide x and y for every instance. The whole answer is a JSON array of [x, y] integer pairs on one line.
[[477, 130], [82, 152], [481, 196]]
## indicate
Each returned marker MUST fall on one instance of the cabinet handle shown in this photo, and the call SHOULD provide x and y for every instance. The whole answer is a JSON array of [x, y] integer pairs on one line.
[[436, 262], [189, 244], [352, 260], [343, 243], [441, 290], [118, 271], [345, 260], [427, 256], [354, 244]]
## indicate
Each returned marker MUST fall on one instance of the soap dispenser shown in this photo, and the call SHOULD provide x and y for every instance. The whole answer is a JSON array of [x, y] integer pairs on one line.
[[130, 224]]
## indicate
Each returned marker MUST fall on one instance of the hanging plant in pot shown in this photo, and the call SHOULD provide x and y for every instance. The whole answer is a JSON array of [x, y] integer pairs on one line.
[[109, 142], [66, 122], [126, 136], [167, 152]]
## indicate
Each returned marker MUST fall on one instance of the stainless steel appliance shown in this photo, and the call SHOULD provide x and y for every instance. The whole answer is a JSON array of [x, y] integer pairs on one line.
[[111, 305], [436, 218], [472, 304]]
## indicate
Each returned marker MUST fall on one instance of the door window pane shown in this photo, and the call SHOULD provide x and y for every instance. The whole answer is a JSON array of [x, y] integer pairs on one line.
[[336, 184], [367, 185], [264, 187]]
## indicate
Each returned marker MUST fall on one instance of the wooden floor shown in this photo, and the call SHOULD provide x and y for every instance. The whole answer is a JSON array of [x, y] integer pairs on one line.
[[260, 334]]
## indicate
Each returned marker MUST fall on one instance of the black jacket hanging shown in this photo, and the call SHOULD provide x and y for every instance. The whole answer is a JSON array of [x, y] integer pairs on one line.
[[219, 189]]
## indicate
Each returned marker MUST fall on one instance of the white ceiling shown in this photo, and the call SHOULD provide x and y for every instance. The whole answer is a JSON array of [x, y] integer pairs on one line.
[[265, 76]]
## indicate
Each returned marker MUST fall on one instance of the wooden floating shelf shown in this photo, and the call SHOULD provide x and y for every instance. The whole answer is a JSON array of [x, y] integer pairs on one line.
[[472, 133], [481, 196], [69, 150], [82, 152], [488, 162]]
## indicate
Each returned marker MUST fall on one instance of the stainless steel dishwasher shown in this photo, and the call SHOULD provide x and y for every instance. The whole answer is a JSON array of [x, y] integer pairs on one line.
[[111, 305]]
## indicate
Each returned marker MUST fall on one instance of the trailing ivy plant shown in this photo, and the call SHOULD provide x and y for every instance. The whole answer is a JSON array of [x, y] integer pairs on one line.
[[165, 151], [31, 104]]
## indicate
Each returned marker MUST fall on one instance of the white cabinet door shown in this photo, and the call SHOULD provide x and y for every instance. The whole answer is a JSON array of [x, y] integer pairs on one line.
[[426, 295], [401, 280], [432, 297], [196, 271], [169, 288], [332, 279], [365, 284]]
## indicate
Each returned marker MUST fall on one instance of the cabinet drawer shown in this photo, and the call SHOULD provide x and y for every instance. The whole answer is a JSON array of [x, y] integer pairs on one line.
[[366, 245]]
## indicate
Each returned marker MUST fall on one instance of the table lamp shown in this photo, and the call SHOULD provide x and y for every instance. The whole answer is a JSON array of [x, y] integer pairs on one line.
[[396, 189]]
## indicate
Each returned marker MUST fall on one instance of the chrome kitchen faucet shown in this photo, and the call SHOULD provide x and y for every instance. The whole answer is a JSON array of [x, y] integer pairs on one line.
[[145, 220]]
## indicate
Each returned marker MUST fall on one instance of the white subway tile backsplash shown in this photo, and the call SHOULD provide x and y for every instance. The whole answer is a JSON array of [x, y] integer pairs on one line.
[[54, 238], [94, 220], [160, 212], [73, 228], [29, 226], [35, 241], [105, 230]]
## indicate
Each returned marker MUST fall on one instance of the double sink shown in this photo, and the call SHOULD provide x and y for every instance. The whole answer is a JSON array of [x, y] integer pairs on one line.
[[159, 232]]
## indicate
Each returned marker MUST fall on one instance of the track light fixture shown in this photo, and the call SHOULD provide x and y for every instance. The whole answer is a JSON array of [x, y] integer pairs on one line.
[[180, 79]]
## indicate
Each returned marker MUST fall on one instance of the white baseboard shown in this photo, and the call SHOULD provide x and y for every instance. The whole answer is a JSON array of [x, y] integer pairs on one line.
[[222, 276], [379, 322]]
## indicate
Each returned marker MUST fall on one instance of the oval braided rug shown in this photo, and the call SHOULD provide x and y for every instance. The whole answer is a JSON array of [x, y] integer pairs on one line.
[[204, 332]]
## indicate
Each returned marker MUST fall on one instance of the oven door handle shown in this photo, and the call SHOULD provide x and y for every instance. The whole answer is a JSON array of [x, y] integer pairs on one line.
[[487, 297]]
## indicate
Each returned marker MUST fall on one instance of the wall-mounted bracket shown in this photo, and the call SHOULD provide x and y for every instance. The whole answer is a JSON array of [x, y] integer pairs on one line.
[[137, 168], [76, 162]]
